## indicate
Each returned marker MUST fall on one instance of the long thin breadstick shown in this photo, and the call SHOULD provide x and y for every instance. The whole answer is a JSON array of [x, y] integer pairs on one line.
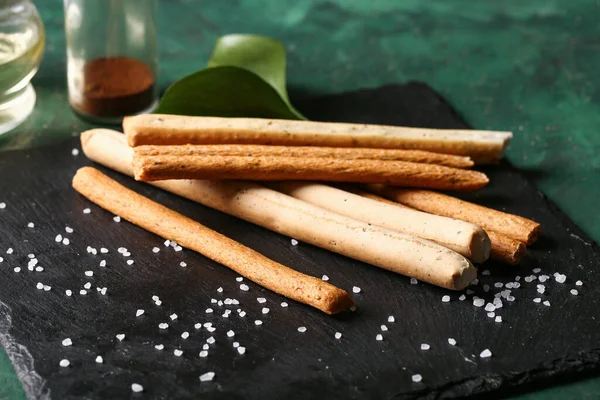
[[481, 146], [378, 246], [149, 168], [510, 225], [504, 249], [168, 224], [467, 239], [253, 150]]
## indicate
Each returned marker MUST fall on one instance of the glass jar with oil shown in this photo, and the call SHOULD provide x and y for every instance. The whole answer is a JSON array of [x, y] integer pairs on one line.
[[21, 49]]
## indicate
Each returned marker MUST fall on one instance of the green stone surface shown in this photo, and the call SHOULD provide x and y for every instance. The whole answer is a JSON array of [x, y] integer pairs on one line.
[[527, 66]]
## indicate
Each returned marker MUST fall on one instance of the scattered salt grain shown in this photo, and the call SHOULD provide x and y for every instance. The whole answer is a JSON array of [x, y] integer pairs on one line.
[[384, 328], [537, 300], [498, 284], [490, 307], [510, 298], [68, 292], [284, 304], [207, 377], [541, 289], [537, 270], [265, 310], [31, 225], [355, 289], [491, 314], [338, 335], [220, 303], [88, 285], [17, 269], [103, 291], [546, 303], [167, 242], [66, 241], [120, 336], [451, 342], [543, 278], [211, 340], [258, 322], [178, 248], [325, 278], [103, 263], [137, 388], [64, 363], [242, 314], [230, 333], [486, 272], [302, 329], [203, 353], [209, 310], [445, 299], [462, 297], [67, 342], [294, 242], [379, 337], [139, 312], [477, 302], [75, 152], [39, 269], [116, 218], [244, 287], [9, 251], [99, 360], [579, 283], [183, 264], [416, 378], [177, 352], [159, 346], [391, 318], [89, 273], [2, 206], [574, 292], [485, 354], [235, 345], [173, 317], [163, 325], [261, 300], [47, 288], [413, 281], [241, 349], [560, 278], [130, 262], [498, 319], [87, 211], [425, 346]]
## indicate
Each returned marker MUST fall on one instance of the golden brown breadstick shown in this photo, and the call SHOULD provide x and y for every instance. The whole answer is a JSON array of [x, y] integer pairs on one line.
[[169, 224], [510, 225], [253, 150], [504, 249], [481, 146], [270, 209], [400, 173], [465, 238]]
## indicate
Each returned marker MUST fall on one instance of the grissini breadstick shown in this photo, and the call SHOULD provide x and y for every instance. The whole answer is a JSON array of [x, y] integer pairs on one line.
[[510, 225], [169, 224], [481, 146], [504, 249], [149, 168], [250, 150], [270, 209], [465, 238]]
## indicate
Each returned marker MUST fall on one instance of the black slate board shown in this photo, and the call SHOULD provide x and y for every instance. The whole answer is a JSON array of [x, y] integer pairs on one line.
[[534, 342]]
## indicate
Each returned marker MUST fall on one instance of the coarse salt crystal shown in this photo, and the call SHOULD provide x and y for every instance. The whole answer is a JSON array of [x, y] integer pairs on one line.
[[203, 353], [139, 312], [391, 318], [537, 300], [39, 269], [205, 346], [130, 262], [462, 297], [265, 310], [89, 273], [510, 298], [579, 283], [244, 287], [498, 284], [425, 346], [416, 378], [137, 388], [211, 340], [485, 354], [87, 211], [31, 225], [560, 278], [242, 314], [120, 336], [159, 346], [451, 342], [64, 363], [379, 337], [543, 278], [490, 307], [302, 329], [177, 352], [355, 289], [537, 270], [163, 325], [546, 303], [261, 300], [88, 285], [66, 241], [17, 269], [486, 272], [167, 243], [541, 289], [183, 264], [338, 335], [258, 322], [491, 314], [230, 333], [284, 304], [574, 292], [498, 318], [477, 302], [103, 263], [445, 299], [517, 278], [384, 328], [68, 229], [207, 377], [173, 317], [68, 292], [9, 251], [75, 152], [220, 303], [294, 242], [235, 345], [103, 291], [67, 342], [116, 218], [413, 281], [47, 288], [325, 278], [209, 310], [178, 248], [99, 360], [241, 349], [2, 206]]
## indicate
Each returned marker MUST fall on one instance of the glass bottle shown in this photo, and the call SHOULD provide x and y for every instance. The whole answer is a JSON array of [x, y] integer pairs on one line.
[[111, 58], [21, 49]]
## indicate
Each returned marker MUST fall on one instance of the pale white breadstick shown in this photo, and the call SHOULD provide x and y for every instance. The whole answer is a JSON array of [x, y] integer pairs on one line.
[[375, 245], [157, 129], [465, 238]]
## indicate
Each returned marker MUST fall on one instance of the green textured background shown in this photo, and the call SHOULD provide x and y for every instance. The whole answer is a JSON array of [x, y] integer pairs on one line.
[[532, 67]]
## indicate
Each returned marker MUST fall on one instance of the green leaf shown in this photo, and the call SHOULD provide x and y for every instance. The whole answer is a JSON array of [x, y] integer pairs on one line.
[[245, 78]]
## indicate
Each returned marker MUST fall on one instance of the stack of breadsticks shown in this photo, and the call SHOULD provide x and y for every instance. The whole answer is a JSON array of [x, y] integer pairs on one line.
[[373, 199]]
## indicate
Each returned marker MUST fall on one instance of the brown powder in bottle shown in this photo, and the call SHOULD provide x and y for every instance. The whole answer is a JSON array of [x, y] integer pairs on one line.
[[115, 87]]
